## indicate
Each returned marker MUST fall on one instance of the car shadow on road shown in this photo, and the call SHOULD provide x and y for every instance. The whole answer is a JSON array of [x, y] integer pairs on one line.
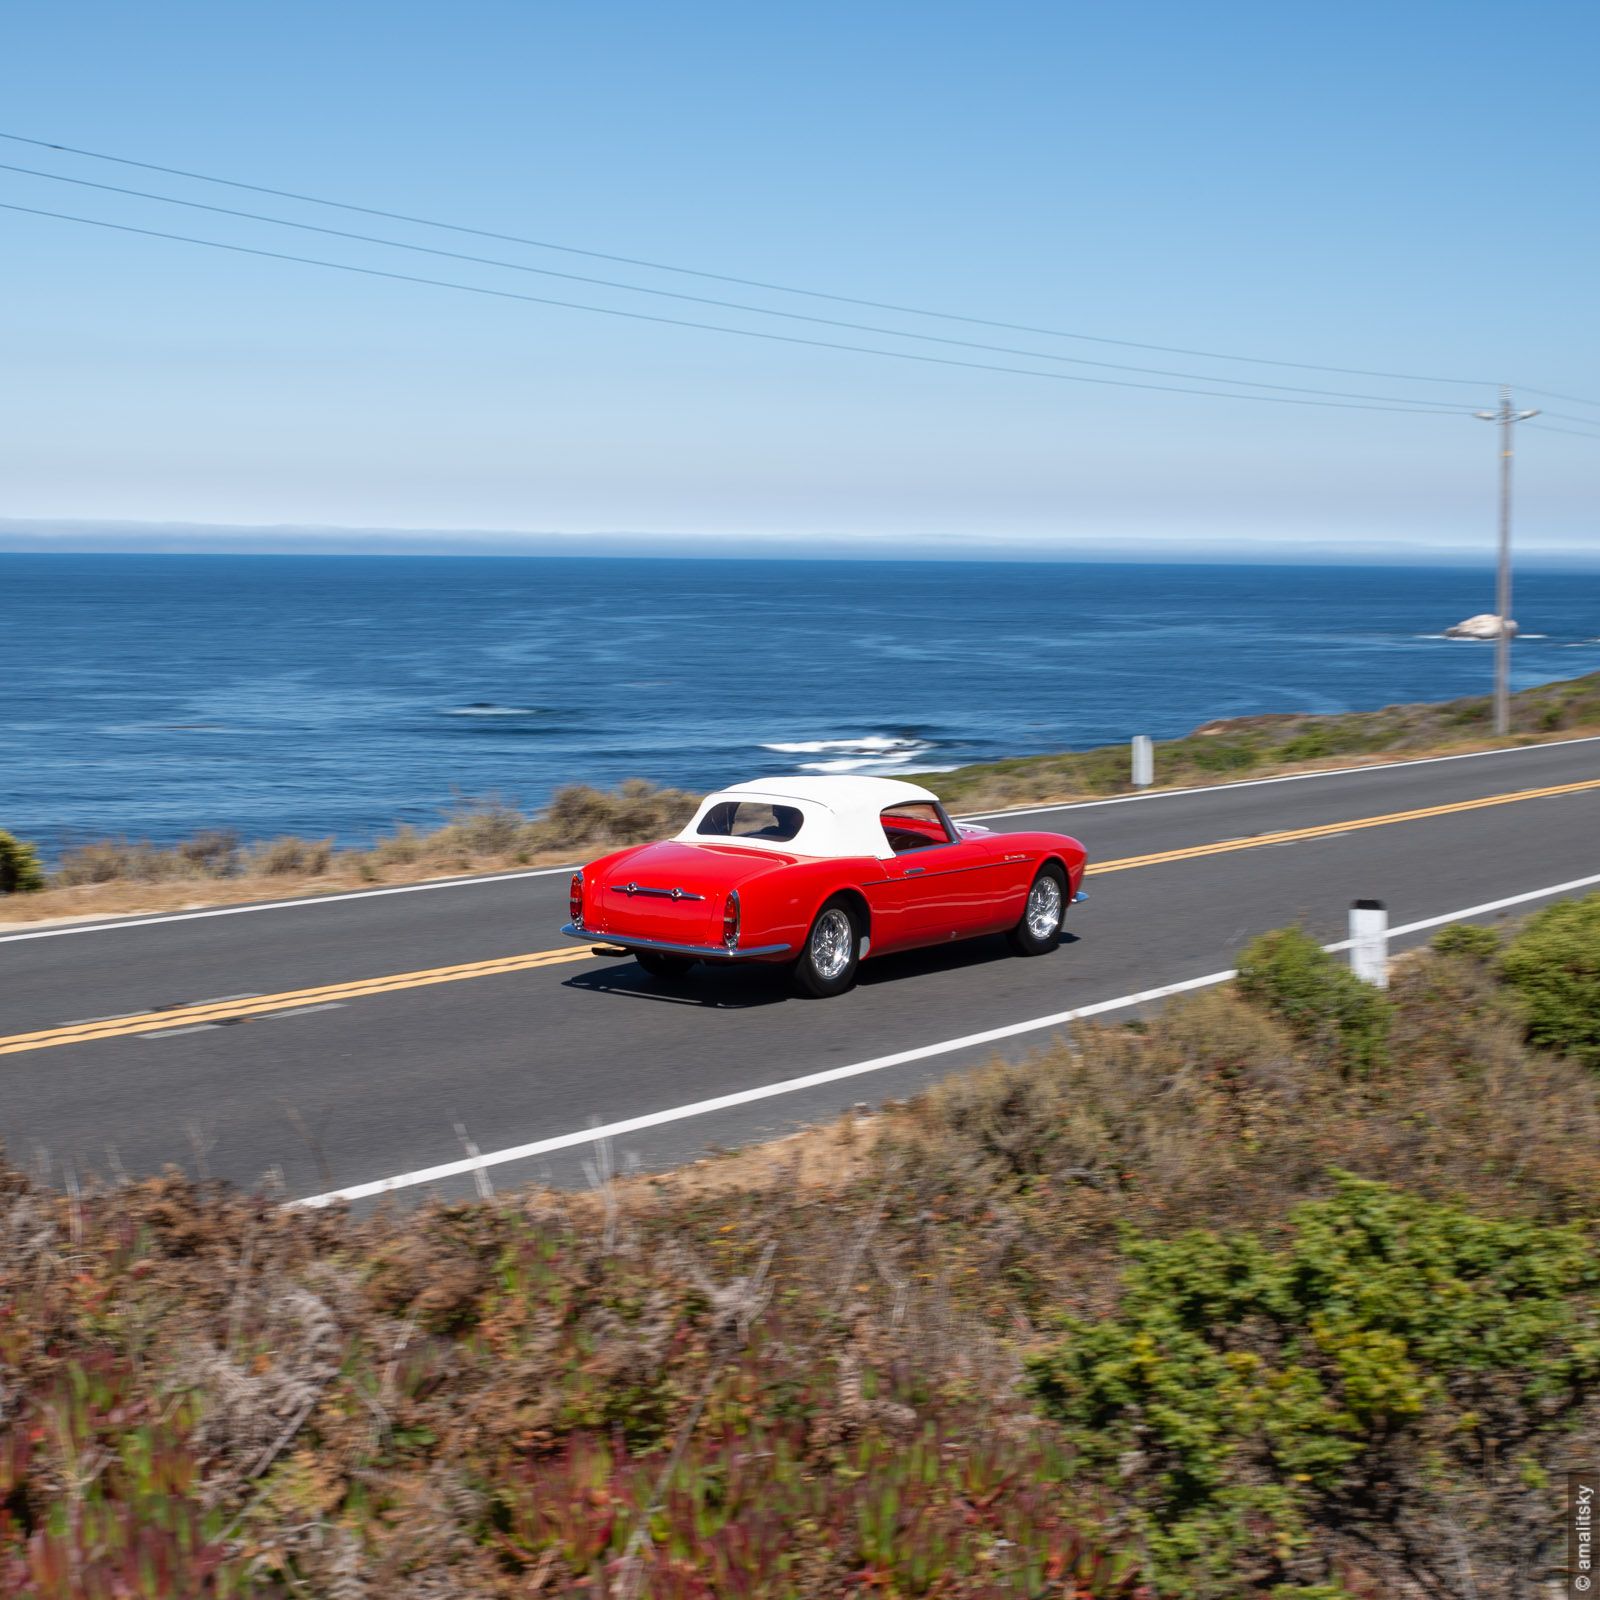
[[954, 957], [743, 988], [735, 989]]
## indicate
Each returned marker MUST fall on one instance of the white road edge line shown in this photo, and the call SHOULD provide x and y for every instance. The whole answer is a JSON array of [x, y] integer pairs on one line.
[[812, 1080], [284, 905], [469, 881]]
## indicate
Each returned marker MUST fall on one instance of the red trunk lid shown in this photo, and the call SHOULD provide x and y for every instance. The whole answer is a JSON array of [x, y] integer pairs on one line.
[[671, 891]]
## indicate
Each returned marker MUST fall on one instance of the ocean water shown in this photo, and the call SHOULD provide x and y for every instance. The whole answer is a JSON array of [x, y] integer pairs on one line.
[[151, 695]]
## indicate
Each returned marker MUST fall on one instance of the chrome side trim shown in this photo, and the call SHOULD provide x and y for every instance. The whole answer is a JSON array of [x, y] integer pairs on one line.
[[631, 889], [701, 952]]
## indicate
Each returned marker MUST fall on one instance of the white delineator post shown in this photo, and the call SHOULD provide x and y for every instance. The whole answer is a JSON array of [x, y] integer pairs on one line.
[[1144, 761], [1369, 942]]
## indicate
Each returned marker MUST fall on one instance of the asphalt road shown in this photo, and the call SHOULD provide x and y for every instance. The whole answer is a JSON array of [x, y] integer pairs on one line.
[[310, 1066]]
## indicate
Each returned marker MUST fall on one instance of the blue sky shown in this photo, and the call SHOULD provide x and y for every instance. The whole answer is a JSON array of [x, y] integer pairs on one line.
[[1406, 188]]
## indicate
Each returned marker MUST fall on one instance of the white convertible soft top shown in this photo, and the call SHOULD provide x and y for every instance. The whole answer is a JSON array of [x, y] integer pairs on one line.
[[839, 816]]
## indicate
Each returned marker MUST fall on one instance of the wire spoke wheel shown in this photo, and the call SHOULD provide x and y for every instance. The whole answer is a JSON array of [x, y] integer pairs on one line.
[[1044, 907], [830, 955], [1038, 929], [831, 942]]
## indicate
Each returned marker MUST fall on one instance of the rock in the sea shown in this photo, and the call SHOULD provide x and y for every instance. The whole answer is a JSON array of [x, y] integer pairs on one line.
[[1486, 625]]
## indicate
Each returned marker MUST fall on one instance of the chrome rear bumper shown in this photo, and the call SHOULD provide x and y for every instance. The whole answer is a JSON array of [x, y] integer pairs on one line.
[[696, 952]]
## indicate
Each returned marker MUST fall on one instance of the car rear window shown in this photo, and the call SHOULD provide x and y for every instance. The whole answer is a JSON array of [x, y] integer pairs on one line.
[[751, 819]]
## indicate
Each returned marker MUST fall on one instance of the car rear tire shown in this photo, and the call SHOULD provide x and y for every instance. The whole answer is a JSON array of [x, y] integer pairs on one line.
[[1038, 931], [832, 952], [668, 968]]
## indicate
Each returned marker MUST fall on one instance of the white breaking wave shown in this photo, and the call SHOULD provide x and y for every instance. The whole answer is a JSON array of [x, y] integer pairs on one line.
[[492, 711], [878, 744], [868, 754], [870, 764]]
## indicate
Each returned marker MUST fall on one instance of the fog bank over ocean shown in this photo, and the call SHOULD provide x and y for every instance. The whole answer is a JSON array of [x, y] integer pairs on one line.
[[22, 535]]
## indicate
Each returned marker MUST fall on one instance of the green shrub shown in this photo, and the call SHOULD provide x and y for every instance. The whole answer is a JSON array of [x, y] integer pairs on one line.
[[1311, 745], [1553, 965], [1246, 1393], [20, 871], [1215, 756], [1467, 939], [1323, 1003], [1464, 712]]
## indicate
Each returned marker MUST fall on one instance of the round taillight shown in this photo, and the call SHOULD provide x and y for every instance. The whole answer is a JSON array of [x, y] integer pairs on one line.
[[575, 899], [730, 919]]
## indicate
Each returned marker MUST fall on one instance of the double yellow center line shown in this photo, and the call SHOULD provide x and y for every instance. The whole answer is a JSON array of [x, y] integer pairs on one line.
[[335, 993], [1327, 829], [290, 999]]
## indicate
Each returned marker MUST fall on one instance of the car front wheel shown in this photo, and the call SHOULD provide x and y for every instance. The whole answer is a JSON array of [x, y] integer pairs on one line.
[[1039, 930], [827, 964]]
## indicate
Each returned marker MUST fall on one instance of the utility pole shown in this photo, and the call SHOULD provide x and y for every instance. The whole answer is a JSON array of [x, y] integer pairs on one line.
[[1507, 418]]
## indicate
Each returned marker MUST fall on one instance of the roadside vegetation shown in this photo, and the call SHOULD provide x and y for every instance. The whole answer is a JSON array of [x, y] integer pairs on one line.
[[105, 876], [1288, 1293], [1246, 747], [20, 868]]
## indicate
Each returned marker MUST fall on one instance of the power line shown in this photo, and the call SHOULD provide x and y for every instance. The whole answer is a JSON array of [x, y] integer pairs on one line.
[[1544, 427], [1544, 394], [715, 327], [722, 277], [1592, 422], [729, 305], [1399, 401]]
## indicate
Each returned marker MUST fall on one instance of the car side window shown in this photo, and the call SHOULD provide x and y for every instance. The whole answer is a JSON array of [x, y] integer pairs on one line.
[[913, 825], [751, 819]]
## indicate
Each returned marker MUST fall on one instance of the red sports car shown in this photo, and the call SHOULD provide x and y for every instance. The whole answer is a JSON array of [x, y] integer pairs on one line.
[[820, 873]]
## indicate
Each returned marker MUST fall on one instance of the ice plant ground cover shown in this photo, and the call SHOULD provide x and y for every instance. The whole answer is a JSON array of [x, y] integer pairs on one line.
[[1283, 1293]]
